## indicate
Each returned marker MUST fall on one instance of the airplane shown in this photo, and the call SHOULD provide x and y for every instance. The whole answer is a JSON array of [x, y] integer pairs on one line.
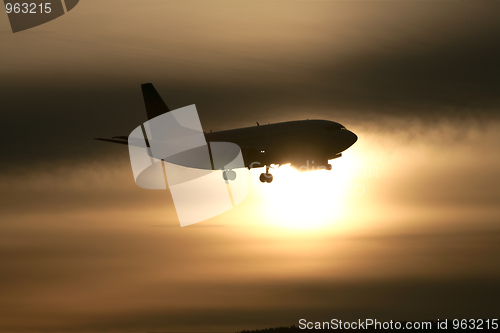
[[299, 142]]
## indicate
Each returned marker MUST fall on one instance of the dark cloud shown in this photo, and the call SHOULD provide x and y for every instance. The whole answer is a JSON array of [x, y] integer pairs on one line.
[[445, 302], [424, 61]]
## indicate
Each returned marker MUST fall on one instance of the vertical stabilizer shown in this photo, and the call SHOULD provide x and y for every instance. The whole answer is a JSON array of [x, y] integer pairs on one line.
[[155, 105]]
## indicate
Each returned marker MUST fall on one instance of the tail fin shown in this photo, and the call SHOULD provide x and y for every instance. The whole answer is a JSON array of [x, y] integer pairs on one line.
[[155, 106]]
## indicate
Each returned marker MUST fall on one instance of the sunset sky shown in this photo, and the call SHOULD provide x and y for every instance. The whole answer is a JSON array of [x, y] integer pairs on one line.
[[405, 227]]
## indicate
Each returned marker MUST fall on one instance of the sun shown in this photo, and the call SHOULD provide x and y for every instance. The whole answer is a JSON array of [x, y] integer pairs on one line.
[[305, 200]]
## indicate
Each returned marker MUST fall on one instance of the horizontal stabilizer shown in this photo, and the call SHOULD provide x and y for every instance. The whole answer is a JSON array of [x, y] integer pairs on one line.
[[123, 142], [136, 142]]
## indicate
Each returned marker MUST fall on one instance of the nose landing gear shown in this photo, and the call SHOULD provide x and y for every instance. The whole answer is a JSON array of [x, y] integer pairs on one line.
[[266, 177]]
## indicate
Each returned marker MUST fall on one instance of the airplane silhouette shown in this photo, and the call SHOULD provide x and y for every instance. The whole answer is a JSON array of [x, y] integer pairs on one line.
[[300, 143]]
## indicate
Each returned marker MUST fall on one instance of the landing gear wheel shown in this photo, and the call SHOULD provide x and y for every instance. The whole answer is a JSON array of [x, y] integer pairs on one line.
[[229, 175], [329, 167], [266, 177]]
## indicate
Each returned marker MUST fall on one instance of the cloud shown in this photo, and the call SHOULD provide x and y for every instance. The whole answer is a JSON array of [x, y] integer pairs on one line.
[[79, 252]]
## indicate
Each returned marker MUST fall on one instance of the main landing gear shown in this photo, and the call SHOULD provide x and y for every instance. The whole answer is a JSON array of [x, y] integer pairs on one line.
[[229, 175], [266, 177]]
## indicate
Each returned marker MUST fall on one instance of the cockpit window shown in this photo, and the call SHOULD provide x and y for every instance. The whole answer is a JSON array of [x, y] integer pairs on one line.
[[334, 127]]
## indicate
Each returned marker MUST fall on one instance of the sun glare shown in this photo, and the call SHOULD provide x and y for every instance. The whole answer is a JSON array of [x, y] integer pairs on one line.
[[305, 200]]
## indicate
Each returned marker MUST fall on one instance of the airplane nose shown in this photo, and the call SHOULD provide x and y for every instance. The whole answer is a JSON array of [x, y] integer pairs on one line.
[[348, 138], [354, 137]]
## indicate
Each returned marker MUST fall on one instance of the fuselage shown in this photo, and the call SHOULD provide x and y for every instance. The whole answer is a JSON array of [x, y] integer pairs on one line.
[[176, 138], [295, 142]]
